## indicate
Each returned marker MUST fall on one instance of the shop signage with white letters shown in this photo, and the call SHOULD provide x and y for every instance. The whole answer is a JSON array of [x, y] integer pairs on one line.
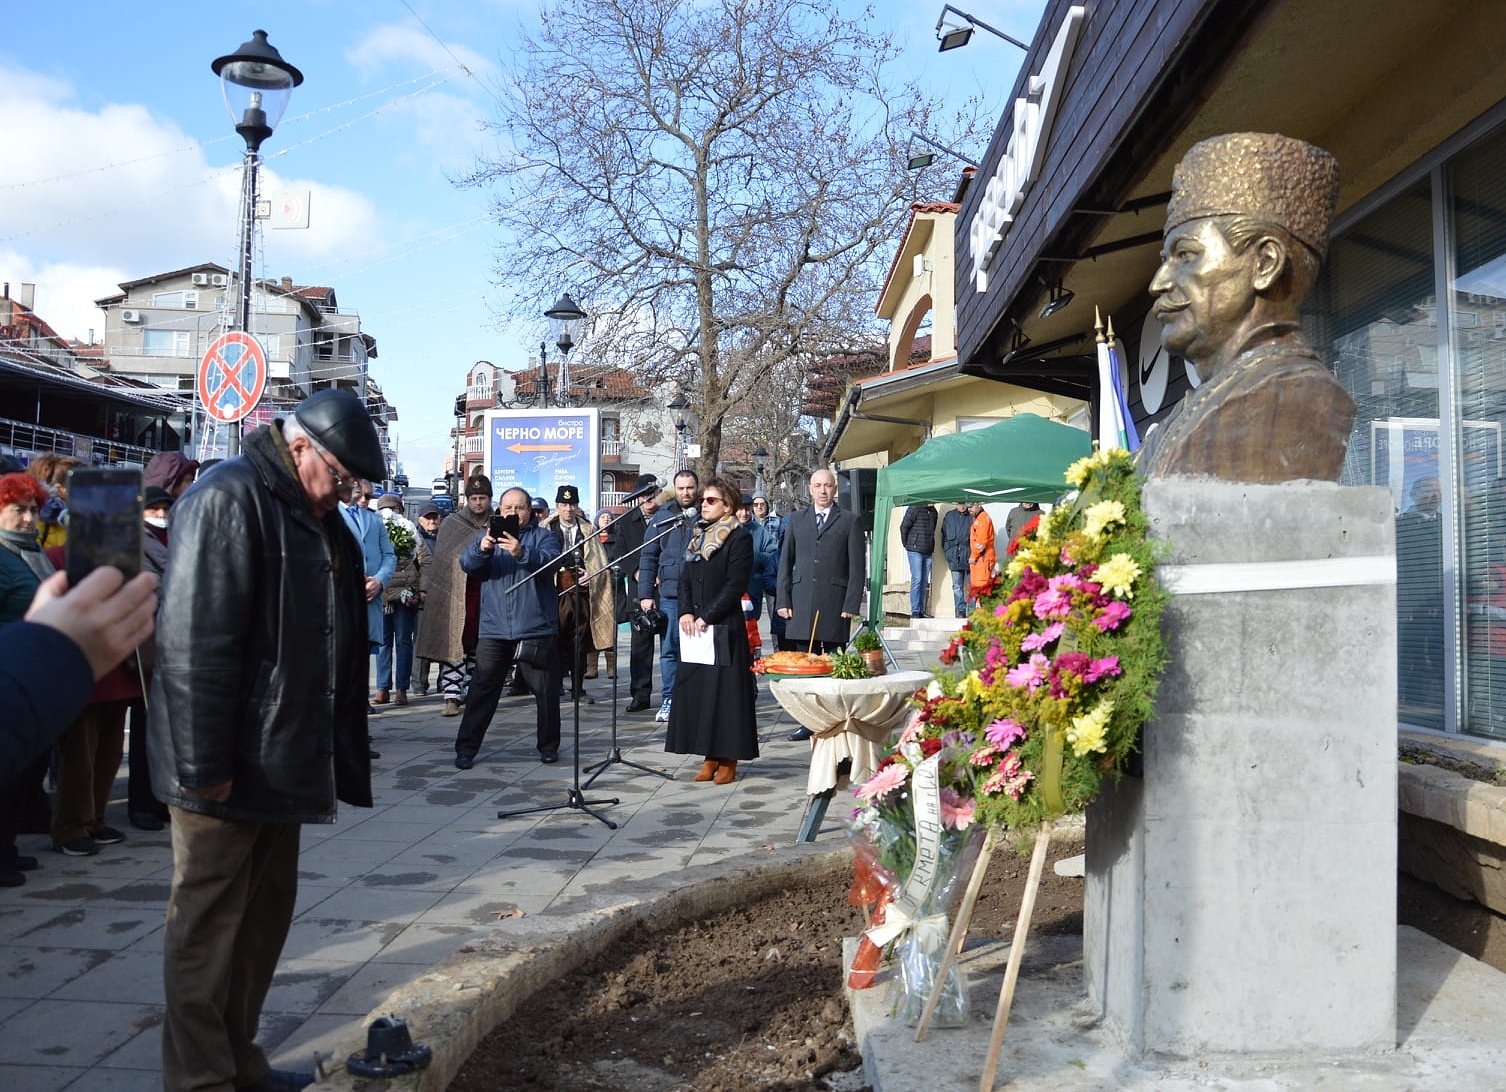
[[1021, 163]]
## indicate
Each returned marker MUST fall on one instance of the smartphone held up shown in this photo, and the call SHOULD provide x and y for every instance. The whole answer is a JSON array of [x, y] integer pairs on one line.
[[504, 525], [104, 521]]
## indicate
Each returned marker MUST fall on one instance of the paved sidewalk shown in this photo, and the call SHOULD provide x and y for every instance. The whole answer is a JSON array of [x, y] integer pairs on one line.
[[384, 894]]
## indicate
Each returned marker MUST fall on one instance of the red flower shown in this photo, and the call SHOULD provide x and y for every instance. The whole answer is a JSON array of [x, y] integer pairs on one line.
[[929, 747]]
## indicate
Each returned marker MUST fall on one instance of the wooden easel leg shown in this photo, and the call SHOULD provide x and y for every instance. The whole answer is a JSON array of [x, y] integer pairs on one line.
[[1016, 956], [959, 934]]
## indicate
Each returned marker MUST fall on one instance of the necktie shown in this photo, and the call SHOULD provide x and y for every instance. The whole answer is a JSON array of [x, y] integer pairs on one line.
[[820, 521]]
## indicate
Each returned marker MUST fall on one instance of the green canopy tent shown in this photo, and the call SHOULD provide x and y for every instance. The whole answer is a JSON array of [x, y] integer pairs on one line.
[[1023, 458]]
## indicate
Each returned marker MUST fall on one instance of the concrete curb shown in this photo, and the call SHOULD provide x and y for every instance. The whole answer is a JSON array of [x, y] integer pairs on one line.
[[465, 997]]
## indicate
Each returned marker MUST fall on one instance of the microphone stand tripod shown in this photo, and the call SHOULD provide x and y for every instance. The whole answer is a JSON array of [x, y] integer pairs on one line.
[[574, 796], [615, 758]]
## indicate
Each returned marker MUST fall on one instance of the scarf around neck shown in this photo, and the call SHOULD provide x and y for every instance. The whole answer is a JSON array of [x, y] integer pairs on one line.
[[709, 537], [24, 545]]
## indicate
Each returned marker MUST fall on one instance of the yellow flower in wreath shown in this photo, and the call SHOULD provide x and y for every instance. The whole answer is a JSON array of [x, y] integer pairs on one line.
[[1087, 731], [1118, 574], [1101, 516]]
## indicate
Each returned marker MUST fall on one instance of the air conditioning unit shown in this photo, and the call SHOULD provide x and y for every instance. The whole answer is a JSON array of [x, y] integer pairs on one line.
[[201, 279], [129, 315], [219, 280]]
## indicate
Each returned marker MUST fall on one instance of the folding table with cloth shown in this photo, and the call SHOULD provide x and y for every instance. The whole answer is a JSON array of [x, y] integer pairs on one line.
[[852, 720]]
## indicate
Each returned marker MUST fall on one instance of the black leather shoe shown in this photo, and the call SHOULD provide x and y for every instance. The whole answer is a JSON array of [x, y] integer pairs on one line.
[[799, 735], [637, 705], [375, 754], [464, 762], [145, 820], [584, 698], [549, 758]]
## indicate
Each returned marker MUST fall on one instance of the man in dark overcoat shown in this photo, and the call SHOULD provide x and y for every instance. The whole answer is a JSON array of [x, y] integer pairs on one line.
[[821, 570], [257, 719]]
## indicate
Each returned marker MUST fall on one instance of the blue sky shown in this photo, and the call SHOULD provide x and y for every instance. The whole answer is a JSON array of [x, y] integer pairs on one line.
[[121, 161]]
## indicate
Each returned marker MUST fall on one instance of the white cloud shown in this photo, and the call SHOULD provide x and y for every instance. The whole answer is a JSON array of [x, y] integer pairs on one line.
[[123, 191], [65, 292], [407, 43]]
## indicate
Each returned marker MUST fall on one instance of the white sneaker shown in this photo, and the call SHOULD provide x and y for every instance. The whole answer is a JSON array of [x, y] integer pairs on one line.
[[662, 716]]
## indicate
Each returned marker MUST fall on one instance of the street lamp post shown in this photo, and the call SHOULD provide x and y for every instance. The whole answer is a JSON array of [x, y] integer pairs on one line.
[[542, 392], [565, 317], [760, 464], [679, 403], [257, 83]]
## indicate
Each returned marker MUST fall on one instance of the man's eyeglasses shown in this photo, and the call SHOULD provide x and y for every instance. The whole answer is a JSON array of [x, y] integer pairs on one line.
[[341, 481]]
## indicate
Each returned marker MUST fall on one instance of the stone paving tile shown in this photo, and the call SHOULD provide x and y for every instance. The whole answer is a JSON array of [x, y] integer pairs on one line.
[[428, 942], [303, 985], [104, 927], [322, 1033], [365, 990], [31, 973], [104, 1079], [129, 977], [472, 906], [388, 905], [36, 1078], [142, 1051], [71, 1033], [337, 939]]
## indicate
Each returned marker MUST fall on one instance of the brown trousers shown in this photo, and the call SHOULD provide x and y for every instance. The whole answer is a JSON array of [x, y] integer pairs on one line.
[[89, 754], [234, 888]]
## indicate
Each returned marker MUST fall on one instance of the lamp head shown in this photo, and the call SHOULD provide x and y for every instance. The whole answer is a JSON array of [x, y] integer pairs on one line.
[[257, 83]]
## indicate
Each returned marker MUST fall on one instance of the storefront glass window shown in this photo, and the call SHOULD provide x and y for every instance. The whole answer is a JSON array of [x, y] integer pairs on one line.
[[1477, 216], [1374, 317]]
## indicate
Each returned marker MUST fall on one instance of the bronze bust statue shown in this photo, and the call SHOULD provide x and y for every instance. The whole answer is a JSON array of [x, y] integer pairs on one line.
[[1246, 231]]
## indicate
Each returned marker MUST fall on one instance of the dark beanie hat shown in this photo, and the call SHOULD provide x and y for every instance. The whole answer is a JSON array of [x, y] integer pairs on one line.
[[337, 420], [478, 484], [154, 496]]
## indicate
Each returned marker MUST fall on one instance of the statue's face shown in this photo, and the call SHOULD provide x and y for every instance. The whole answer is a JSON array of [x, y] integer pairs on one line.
[[1202, 289]]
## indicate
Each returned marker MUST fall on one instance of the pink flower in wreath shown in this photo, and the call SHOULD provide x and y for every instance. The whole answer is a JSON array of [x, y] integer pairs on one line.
[[956, 812], [984, 755], [1002, 733], [1037, 641], [1031, 673], [1107, 665], [1114, 613], [912, 730], [1012, 775], [884, 782]]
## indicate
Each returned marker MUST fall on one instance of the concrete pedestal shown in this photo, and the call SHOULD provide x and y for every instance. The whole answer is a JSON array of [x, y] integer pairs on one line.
[[1241, 897]]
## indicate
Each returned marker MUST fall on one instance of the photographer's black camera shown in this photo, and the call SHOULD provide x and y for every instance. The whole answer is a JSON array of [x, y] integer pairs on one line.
[[650, 621]]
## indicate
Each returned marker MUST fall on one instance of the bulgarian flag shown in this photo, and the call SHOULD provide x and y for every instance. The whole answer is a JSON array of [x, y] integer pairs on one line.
[[1116, 428]]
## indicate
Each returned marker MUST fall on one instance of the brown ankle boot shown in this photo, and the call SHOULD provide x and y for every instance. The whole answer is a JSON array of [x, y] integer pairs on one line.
[[708, 770], [400, 698], [611, 664], [726, 772], [382, 698]]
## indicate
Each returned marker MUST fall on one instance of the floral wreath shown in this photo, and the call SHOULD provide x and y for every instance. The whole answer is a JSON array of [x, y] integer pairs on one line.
[[1060, 665]]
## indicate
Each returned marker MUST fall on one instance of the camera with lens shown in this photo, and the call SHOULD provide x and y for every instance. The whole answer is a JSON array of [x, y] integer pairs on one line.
[[650, 621]]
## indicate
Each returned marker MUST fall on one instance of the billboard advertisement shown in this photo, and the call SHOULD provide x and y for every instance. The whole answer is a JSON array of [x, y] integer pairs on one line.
[[543, 449]]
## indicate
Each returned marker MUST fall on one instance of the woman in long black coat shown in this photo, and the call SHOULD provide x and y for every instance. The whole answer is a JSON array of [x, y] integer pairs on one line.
[[711, 712]]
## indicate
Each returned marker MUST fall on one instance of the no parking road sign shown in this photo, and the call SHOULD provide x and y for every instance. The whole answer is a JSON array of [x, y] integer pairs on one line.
[[232, 376]]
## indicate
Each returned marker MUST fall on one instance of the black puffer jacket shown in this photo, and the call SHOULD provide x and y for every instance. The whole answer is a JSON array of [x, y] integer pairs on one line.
[[261, 649], [917, 530]]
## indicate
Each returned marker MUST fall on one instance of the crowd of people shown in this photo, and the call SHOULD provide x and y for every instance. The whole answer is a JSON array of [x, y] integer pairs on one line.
[[288, 586]]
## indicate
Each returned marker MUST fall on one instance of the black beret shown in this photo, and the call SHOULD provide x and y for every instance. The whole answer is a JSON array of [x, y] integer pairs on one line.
[[645, 481], [478, 484], [567, 494], [338, 422]]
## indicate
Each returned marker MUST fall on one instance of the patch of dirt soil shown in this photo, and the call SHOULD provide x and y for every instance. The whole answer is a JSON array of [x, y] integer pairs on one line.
[[1464, 924], [749, 999], [752, 998]]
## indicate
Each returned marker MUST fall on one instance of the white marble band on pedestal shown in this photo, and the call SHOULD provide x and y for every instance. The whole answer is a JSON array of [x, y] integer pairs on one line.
[[1241, 895]]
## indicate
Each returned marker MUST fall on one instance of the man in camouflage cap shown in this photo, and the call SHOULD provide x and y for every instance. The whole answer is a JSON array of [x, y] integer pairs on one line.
[[1246, 231]]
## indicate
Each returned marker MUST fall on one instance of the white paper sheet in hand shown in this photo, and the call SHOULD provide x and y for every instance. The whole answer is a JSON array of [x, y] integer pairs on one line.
[[699, 649]]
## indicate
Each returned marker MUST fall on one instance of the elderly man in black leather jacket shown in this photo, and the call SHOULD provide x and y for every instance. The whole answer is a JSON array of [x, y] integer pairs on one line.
[[258, 720]]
